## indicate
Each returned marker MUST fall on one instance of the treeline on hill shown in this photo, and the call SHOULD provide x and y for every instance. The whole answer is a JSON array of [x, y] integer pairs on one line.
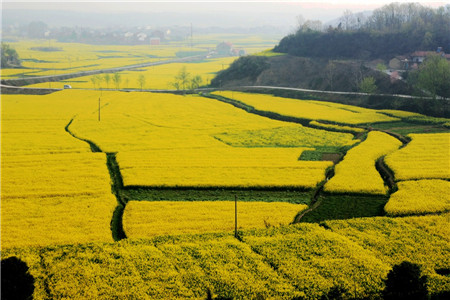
[[391, 30]]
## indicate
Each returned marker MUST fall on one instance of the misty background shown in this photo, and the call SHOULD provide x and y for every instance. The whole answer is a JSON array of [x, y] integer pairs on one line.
[[277, 16]]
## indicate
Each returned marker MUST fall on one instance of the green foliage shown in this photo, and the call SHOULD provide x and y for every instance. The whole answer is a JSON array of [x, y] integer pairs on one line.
[[107, 79], [184, 80], [117, 79], [141, 81], [196, 82], [368, 85], [433, 76], [291, 196], [10, 58], [393, 29], [404, 282], [381, 67], [333, 207]]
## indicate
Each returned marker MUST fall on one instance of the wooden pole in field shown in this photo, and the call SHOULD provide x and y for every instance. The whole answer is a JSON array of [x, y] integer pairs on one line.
[[99, 109], [235, 217]]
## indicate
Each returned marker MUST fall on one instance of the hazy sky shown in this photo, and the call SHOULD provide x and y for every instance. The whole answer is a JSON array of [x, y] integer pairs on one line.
[[286, 10]]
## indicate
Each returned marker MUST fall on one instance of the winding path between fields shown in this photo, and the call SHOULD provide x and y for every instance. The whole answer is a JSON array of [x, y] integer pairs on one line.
[[385, 172], [117, 230]]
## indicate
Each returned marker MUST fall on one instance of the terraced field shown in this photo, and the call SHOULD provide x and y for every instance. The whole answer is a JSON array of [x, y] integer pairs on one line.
[[161, 173]]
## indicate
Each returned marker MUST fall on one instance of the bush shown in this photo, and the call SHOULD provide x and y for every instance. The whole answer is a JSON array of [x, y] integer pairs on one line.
[[404, 282], [16, 282]]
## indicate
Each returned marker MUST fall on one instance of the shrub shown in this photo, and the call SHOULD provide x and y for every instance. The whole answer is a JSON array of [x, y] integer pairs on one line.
[[404, 282]]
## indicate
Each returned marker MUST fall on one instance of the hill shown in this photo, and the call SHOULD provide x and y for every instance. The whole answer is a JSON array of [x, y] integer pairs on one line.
[[307, 73]]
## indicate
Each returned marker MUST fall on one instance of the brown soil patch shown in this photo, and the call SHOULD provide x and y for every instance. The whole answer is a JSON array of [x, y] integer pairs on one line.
[[334, 157]]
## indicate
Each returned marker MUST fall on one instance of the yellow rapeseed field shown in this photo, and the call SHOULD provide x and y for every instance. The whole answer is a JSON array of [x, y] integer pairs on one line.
[[308, 109], [144, 219], [356, 254], [315, 259], [336, 127], [54, 190], [155, 77], [169, 140], [419, 197], [293, 136], [425, 157], [220, 167], [357, 172], [423, 240]]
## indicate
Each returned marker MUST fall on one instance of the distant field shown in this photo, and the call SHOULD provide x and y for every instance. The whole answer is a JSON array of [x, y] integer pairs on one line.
[[309, 109]]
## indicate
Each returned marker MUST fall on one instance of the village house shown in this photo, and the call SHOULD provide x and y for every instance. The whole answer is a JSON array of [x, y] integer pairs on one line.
[[227, 49], [402, 62]]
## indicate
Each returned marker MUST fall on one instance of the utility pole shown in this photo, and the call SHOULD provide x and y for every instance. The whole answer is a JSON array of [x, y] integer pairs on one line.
[[235, 217], [99, 109]]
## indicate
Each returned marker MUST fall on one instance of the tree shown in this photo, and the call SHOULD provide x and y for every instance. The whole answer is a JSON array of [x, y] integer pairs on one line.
[[182, 78], [368, 85], [434, 76], [117, 79], [94, 81], [9, 57], [196, 81], [141, 81], [381, 67], [107, 79], [404, 282], [99, 80]]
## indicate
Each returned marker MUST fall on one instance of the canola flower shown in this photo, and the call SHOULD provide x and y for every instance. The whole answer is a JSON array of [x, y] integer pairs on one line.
[[220, 167], [309, 109], [169, 141], [337, 127], [295, 136], [425, 157], [356, 254], [54, 190], [144, 219], [315, 259], [423, 240], [166, 268], [357, 172], [419, 197]]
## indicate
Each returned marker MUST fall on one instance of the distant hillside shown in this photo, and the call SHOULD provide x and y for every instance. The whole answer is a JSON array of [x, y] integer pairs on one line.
[[394, 29], [307, 73], [325, 75]]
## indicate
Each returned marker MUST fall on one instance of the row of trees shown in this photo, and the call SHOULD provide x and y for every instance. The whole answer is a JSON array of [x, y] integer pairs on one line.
[[182, 81], [185, 81]]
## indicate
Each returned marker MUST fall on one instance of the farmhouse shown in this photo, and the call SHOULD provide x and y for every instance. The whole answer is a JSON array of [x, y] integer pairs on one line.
[[405, 62], [227, 49]]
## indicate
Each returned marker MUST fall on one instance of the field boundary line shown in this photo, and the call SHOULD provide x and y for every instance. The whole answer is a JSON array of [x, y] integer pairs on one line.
[[116, 224]]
